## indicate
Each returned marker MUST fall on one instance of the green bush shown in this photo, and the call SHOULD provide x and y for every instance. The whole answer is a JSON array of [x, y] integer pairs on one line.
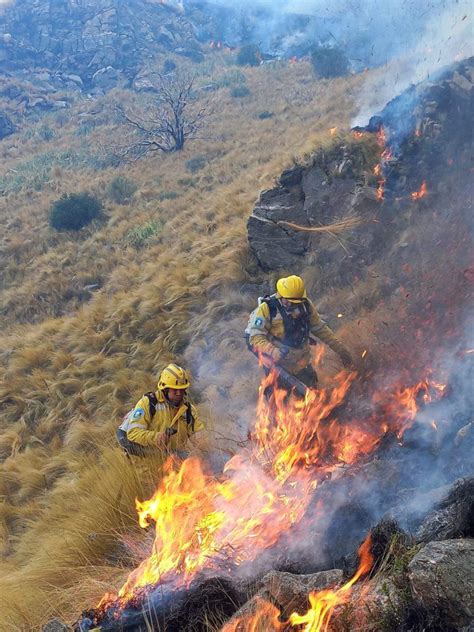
[[121, 190], [329, 61], [138, 237], [240, 91], [231, 78], [74, 211], [45, 132], [249, 55], [196, 164], [167, 195]]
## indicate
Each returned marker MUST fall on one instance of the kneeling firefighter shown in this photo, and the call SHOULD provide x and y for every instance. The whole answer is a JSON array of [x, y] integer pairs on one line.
[[163, 420], [283, 327]]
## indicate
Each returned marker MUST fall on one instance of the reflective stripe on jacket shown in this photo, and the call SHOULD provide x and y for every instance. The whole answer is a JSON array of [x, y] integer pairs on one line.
[[143, 429], [266, 332]]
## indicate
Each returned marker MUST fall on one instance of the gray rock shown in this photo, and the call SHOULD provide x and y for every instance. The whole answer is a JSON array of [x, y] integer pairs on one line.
[[442, 578], [106, 78], [55, 625], [6, 126], [453, 517], [290, 592]]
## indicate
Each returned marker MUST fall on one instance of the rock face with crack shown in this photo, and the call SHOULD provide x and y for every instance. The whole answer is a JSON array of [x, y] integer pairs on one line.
[[99, 41], [442, 577]]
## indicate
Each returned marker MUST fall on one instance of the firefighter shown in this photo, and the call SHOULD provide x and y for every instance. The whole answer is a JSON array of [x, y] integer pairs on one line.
[[284, 325], [163, 420]]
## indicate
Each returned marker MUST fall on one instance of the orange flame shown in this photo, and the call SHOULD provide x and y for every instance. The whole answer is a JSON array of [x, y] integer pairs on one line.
[[323, 602], [332, 130], [203, 521], [381, 138], [416, 195], [265, 617], [358, 134], [381, 190]]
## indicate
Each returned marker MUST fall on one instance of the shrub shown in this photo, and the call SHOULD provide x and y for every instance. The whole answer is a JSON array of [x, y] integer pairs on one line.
[[137, 237], [73, 211], [240, 91], [231, 78], [196, 164], [265, 115], [45, 132], [167, 195], [249, 55], [121, 190], [329, 61], [168, 66]]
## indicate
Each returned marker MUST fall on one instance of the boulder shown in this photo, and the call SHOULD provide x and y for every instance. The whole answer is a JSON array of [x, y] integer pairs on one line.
[[55, 625], [290, 592], [106, 78], [6, 126], [441, 578], [453, 517]]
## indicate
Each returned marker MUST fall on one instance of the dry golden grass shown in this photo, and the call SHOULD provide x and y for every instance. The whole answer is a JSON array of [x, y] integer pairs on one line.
[[71, 367]]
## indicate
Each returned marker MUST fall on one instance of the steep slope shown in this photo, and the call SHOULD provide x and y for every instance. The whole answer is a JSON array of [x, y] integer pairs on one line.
[[67, 379]]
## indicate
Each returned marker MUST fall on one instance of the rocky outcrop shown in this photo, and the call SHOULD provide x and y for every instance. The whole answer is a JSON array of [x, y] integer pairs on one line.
[[442, 578], [79, 38], [426, 130], [453, 517], [6, 126], [307, 196]]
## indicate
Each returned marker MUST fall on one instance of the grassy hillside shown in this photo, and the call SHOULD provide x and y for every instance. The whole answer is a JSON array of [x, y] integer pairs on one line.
[[73, 358]]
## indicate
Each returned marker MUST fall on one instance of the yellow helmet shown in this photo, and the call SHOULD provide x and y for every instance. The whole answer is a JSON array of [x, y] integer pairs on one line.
[[173, 376], [291, 288]]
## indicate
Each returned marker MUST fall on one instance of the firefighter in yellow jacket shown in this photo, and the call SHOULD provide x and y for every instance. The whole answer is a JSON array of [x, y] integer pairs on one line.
[[284, 325], [163, 420]]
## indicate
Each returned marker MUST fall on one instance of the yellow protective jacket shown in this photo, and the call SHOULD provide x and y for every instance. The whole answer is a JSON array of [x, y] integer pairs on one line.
[[265, 335], [144, 429]]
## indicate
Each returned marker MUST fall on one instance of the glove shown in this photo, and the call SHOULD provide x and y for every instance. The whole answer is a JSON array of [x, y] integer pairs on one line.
[[279, 353], [346, 358]]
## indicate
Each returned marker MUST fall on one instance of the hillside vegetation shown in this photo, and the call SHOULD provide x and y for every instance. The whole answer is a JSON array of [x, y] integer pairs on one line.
[[89, 318]]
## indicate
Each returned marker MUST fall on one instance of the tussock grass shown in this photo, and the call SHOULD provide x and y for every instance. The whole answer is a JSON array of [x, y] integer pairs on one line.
[[73, 360]]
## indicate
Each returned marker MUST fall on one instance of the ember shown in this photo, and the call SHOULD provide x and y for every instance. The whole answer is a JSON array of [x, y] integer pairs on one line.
[[416, 195]]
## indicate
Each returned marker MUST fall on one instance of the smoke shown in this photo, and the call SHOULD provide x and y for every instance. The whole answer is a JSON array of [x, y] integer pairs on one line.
[[444, 39]]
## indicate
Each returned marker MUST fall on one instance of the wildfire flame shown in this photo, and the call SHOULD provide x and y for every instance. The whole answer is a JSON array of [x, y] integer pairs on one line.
[[206, 522], [322, 604], [416, 195]]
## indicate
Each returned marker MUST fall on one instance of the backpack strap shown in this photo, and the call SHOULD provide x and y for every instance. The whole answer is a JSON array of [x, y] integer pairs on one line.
[[273, 305], [190, 417], [153, 401]]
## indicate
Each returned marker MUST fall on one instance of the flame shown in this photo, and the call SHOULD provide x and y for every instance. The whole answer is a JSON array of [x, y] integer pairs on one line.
[[265, 616], [203, 521], [332, 130], [381, 138], [416, 195], [381, 190], [357, 134], [323, 602]]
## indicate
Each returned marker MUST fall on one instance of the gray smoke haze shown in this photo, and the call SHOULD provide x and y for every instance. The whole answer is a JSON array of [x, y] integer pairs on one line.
[[415, 37]]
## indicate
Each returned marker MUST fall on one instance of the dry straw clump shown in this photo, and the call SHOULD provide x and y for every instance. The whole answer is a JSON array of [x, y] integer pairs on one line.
[[88, 320]]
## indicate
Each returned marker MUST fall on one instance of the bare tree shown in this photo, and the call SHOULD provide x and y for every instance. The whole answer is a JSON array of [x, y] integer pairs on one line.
[[172, 119]]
